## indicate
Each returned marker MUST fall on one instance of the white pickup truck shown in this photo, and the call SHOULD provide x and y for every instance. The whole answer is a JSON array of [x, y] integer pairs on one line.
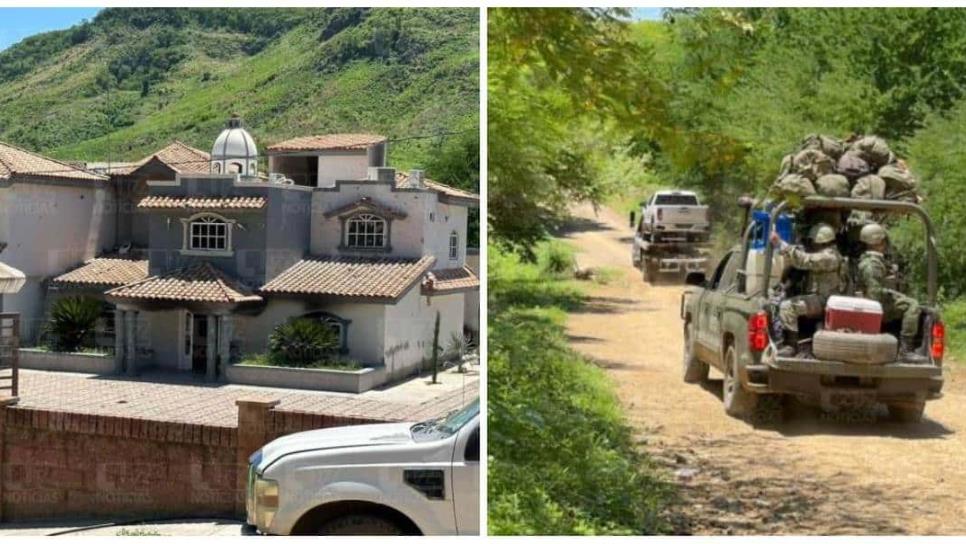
[[387, 479], [675, 216]]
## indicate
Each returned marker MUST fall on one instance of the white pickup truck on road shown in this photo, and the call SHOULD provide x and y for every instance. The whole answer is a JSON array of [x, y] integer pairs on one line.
[[675, 216], [387, 479]]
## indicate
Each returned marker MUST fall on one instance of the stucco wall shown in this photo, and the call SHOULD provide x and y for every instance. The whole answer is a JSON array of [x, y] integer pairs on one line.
[[365, 333], [264, 241], [164, 337], [407, 235], [446, 219], [49, 229], [342, 165], [409, 330]]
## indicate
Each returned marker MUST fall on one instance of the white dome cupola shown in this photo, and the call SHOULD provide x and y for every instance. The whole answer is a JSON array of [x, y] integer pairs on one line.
[[234, 151]]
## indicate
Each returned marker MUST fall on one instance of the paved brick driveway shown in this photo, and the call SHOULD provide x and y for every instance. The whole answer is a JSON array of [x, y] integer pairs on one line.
[[185, 400]]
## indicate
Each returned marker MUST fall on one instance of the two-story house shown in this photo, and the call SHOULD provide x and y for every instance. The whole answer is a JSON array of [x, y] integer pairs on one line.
[[226, 256]]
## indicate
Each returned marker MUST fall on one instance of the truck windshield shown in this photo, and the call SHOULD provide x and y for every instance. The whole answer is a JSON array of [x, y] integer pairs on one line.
[[446, 426], [676, 200]]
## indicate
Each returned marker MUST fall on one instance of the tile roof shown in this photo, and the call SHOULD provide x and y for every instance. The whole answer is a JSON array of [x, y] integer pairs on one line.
[[351, 277], [200, 282], [179, 156], [328, 141], [404, 181], [200, 203], [449, 280], [15, 161], [105, 271]]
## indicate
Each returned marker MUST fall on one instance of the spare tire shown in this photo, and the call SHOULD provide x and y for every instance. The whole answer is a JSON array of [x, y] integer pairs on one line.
[[866, 349]]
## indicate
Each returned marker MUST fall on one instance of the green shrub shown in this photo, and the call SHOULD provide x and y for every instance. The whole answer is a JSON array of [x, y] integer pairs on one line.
[[302, 342], [556, 258], [561, 457], [329, 363], [72, 323]]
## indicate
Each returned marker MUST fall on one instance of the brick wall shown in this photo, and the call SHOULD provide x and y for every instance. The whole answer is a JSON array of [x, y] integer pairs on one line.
[[61, 465]]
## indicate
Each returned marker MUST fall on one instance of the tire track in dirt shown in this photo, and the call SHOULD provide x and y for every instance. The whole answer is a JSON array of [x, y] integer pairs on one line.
[[813, 474]]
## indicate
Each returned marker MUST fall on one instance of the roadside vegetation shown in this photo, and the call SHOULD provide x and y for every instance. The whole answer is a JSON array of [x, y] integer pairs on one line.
[[561, 456], [588, 105]]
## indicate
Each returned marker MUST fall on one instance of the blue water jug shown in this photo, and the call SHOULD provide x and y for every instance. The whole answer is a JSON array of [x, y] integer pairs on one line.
[[761, 220]]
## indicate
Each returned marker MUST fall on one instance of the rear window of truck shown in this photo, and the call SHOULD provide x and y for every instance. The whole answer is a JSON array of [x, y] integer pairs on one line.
[[676, 200]]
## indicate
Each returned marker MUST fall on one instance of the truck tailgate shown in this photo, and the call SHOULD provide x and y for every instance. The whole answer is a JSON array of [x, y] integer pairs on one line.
[[684, 215]]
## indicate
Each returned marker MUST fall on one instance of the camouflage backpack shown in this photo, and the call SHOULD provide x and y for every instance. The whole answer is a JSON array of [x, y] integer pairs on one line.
[[826, 144], [870, 187], [900, 183], [852, 165], [792, 188], [834, 185], [812, 164], [873, 150]]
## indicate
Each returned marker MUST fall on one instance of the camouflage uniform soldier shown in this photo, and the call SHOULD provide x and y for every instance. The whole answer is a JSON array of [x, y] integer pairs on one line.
[[824, 279], [874, 272]]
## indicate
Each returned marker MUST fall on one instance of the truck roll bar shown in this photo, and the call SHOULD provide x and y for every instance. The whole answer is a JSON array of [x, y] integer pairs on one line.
[[882, 206]]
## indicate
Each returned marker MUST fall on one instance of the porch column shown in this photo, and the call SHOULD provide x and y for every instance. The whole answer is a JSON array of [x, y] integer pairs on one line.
[[212, 351], [118, 341], [130, 339], [225, 326]]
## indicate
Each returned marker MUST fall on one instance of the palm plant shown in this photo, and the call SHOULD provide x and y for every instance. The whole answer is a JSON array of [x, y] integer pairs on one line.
[[302, 342], [73, 321]]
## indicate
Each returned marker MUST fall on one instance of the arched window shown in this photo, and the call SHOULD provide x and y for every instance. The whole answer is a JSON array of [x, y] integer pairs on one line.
[[365, 231], [208, 232], [339, 326], [216, 167], [235, 168], [454, 246]]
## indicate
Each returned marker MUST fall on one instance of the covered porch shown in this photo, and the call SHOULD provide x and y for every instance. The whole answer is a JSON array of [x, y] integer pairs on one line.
[[183, 320]]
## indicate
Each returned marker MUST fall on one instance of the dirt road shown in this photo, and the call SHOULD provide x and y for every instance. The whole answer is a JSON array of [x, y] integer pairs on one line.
[[814, 474]]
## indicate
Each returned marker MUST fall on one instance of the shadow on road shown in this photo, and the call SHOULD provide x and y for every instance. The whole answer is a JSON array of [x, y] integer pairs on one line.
[[805, 420], [575, 225]]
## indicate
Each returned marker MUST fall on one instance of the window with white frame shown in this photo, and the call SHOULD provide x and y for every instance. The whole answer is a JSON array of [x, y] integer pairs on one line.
[[454, 246], [366, 231], [208, 233]]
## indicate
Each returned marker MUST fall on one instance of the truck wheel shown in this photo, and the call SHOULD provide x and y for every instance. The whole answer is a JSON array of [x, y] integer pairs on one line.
[[738, 401], [360, 525], [650, 272], [906, 412], [694, 370]]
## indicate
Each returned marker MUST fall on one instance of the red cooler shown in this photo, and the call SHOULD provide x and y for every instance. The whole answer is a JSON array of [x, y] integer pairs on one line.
[[852, 314]]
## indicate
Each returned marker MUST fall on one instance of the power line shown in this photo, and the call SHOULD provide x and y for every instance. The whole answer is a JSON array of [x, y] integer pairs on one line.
[[129, 165]]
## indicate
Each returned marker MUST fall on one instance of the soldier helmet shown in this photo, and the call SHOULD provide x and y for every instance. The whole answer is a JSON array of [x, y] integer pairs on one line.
[[872, 234], [821, 234]]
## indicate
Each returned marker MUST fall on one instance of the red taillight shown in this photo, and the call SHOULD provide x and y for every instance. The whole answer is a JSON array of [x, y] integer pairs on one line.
[[758, 332], [938, 347], [660, 214]]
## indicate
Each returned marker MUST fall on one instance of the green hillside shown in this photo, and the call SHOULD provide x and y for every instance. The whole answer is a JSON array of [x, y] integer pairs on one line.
[[132, 80]]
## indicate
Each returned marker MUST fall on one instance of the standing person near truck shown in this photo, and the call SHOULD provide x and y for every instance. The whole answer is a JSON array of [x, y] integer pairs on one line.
[[823, 265], [874, 281]]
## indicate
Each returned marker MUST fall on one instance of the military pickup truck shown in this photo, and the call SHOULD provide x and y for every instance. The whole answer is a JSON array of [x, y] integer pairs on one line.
[[728, 324]]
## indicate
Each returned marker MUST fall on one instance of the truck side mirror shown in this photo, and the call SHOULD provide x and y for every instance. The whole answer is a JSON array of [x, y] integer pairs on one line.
[[695, 278], [633, 216]]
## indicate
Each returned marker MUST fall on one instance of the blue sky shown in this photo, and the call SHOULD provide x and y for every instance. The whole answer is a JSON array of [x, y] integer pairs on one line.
[[19, 23], [651, 14]]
